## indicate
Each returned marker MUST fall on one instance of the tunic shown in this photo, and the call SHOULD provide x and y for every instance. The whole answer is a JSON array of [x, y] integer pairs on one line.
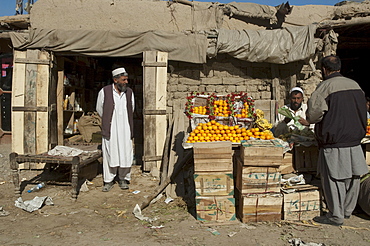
[[118, 150]]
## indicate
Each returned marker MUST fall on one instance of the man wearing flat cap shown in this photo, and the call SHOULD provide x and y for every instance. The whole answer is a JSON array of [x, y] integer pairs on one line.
[[296, 108], [115, 105]]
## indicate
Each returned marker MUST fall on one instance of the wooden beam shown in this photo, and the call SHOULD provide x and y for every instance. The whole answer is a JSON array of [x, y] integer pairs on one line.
[[343, 23]]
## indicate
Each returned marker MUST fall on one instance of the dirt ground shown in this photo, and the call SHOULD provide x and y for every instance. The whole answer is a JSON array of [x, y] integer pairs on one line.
[[106, 218]]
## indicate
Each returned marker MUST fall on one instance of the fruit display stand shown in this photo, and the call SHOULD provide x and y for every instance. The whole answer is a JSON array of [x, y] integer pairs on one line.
[[219, 124]]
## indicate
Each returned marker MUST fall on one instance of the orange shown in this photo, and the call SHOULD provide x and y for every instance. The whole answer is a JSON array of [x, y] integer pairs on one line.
[[231, 128], [226, 127], [238, 130], [220, 127], [196, 131], [192, 134], [236, 126], [213, 122]]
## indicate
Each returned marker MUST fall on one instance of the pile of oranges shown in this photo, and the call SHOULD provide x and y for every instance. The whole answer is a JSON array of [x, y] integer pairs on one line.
[[200, 110], [221, 108], [214, 131], [368, 131], [244, 111]]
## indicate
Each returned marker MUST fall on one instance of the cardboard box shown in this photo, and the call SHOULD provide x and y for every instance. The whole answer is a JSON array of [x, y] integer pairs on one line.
[[301, 205], [305, 158], [213, 157], [214, 184], [261, 153], [259, 207], [215, 208]]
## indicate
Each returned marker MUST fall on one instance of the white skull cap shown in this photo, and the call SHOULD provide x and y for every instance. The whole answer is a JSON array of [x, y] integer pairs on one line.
[[297, 89], [118, 71]]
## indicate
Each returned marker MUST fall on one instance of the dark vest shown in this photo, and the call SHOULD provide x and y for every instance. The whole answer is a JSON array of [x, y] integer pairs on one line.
[[108, 108]]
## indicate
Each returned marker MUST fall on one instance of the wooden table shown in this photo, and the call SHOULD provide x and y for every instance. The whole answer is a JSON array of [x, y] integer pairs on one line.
[[76, 162]]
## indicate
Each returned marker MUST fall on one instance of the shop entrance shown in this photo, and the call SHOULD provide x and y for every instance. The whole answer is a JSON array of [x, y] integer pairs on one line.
[[83, 77]]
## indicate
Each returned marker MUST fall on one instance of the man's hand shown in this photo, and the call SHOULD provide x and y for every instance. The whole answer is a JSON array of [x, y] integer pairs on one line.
[[304, 122]]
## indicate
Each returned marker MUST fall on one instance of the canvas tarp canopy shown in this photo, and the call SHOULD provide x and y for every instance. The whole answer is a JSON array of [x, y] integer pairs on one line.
[[277, 46], [114, 43]]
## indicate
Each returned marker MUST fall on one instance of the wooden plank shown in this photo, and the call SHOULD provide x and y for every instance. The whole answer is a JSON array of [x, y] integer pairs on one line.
[[42, 61], [42, 100], [213, 166], [177, 152], [214, 184], [215, 208], [30, 99], [161, 102], [149, 102], [18, 91]]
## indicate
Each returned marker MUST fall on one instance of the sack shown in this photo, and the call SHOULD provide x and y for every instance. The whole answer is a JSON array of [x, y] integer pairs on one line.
[[89, 124]]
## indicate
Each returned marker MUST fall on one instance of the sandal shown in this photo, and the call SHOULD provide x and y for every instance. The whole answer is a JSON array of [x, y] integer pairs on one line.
[[107, 186], [123, 184]]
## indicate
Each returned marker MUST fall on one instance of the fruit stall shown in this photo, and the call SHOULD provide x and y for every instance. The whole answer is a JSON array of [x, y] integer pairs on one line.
[[239, 164]]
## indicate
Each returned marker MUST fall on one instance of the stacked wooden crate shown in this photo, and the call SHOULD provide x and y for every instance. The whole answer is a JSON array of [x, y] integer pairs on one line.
[[302, 204], [214, 182], [257, 190]]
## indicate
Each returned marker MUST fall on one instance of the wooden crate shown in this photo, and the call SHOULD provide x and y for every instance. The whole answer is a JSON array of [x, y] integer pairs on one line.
[[301, 205], [213, 157], [257, 179], [287, 164], [214, 184], [305, 158], [259, 207], [261, 153], [215, 208]]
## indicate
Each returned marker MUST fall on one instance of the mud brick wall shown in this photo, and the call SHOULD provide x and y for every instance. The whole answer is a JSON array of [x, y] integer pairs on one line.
[[225, 75]]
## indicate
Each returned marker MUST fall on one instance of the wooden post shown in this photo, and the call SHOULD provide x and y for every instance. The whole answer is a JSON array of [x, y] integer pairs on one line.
[[15, 173], [74, 178], [60, 99], [154, 104]]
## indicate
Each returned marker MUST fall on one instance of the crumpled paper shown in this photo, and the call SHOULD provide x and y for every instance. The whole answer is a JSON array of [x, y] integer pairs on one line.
[[3, 212], [299, 242], [286, 112], [138, 215], [34, 204]]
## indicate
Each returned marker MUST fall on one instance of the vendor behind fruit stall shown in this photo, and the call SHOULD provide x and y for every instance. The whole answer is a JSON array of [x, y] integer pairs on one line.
[[297, 108]]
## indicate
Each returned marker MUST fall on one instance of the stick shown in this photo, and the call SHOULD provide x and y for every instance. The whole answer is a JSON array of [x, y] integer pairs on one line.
[[166, 148], [168, 180]]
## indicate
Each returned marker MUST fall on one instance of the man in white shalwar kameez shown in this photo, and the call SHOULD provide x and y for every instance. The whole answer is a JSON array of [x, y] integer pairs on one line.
[[115, 104]]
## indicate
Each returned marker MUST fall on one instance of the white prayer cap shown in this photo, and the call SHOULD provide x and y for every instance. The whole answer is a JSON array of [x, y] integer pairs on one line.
[[297, 89], [118, 71]]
